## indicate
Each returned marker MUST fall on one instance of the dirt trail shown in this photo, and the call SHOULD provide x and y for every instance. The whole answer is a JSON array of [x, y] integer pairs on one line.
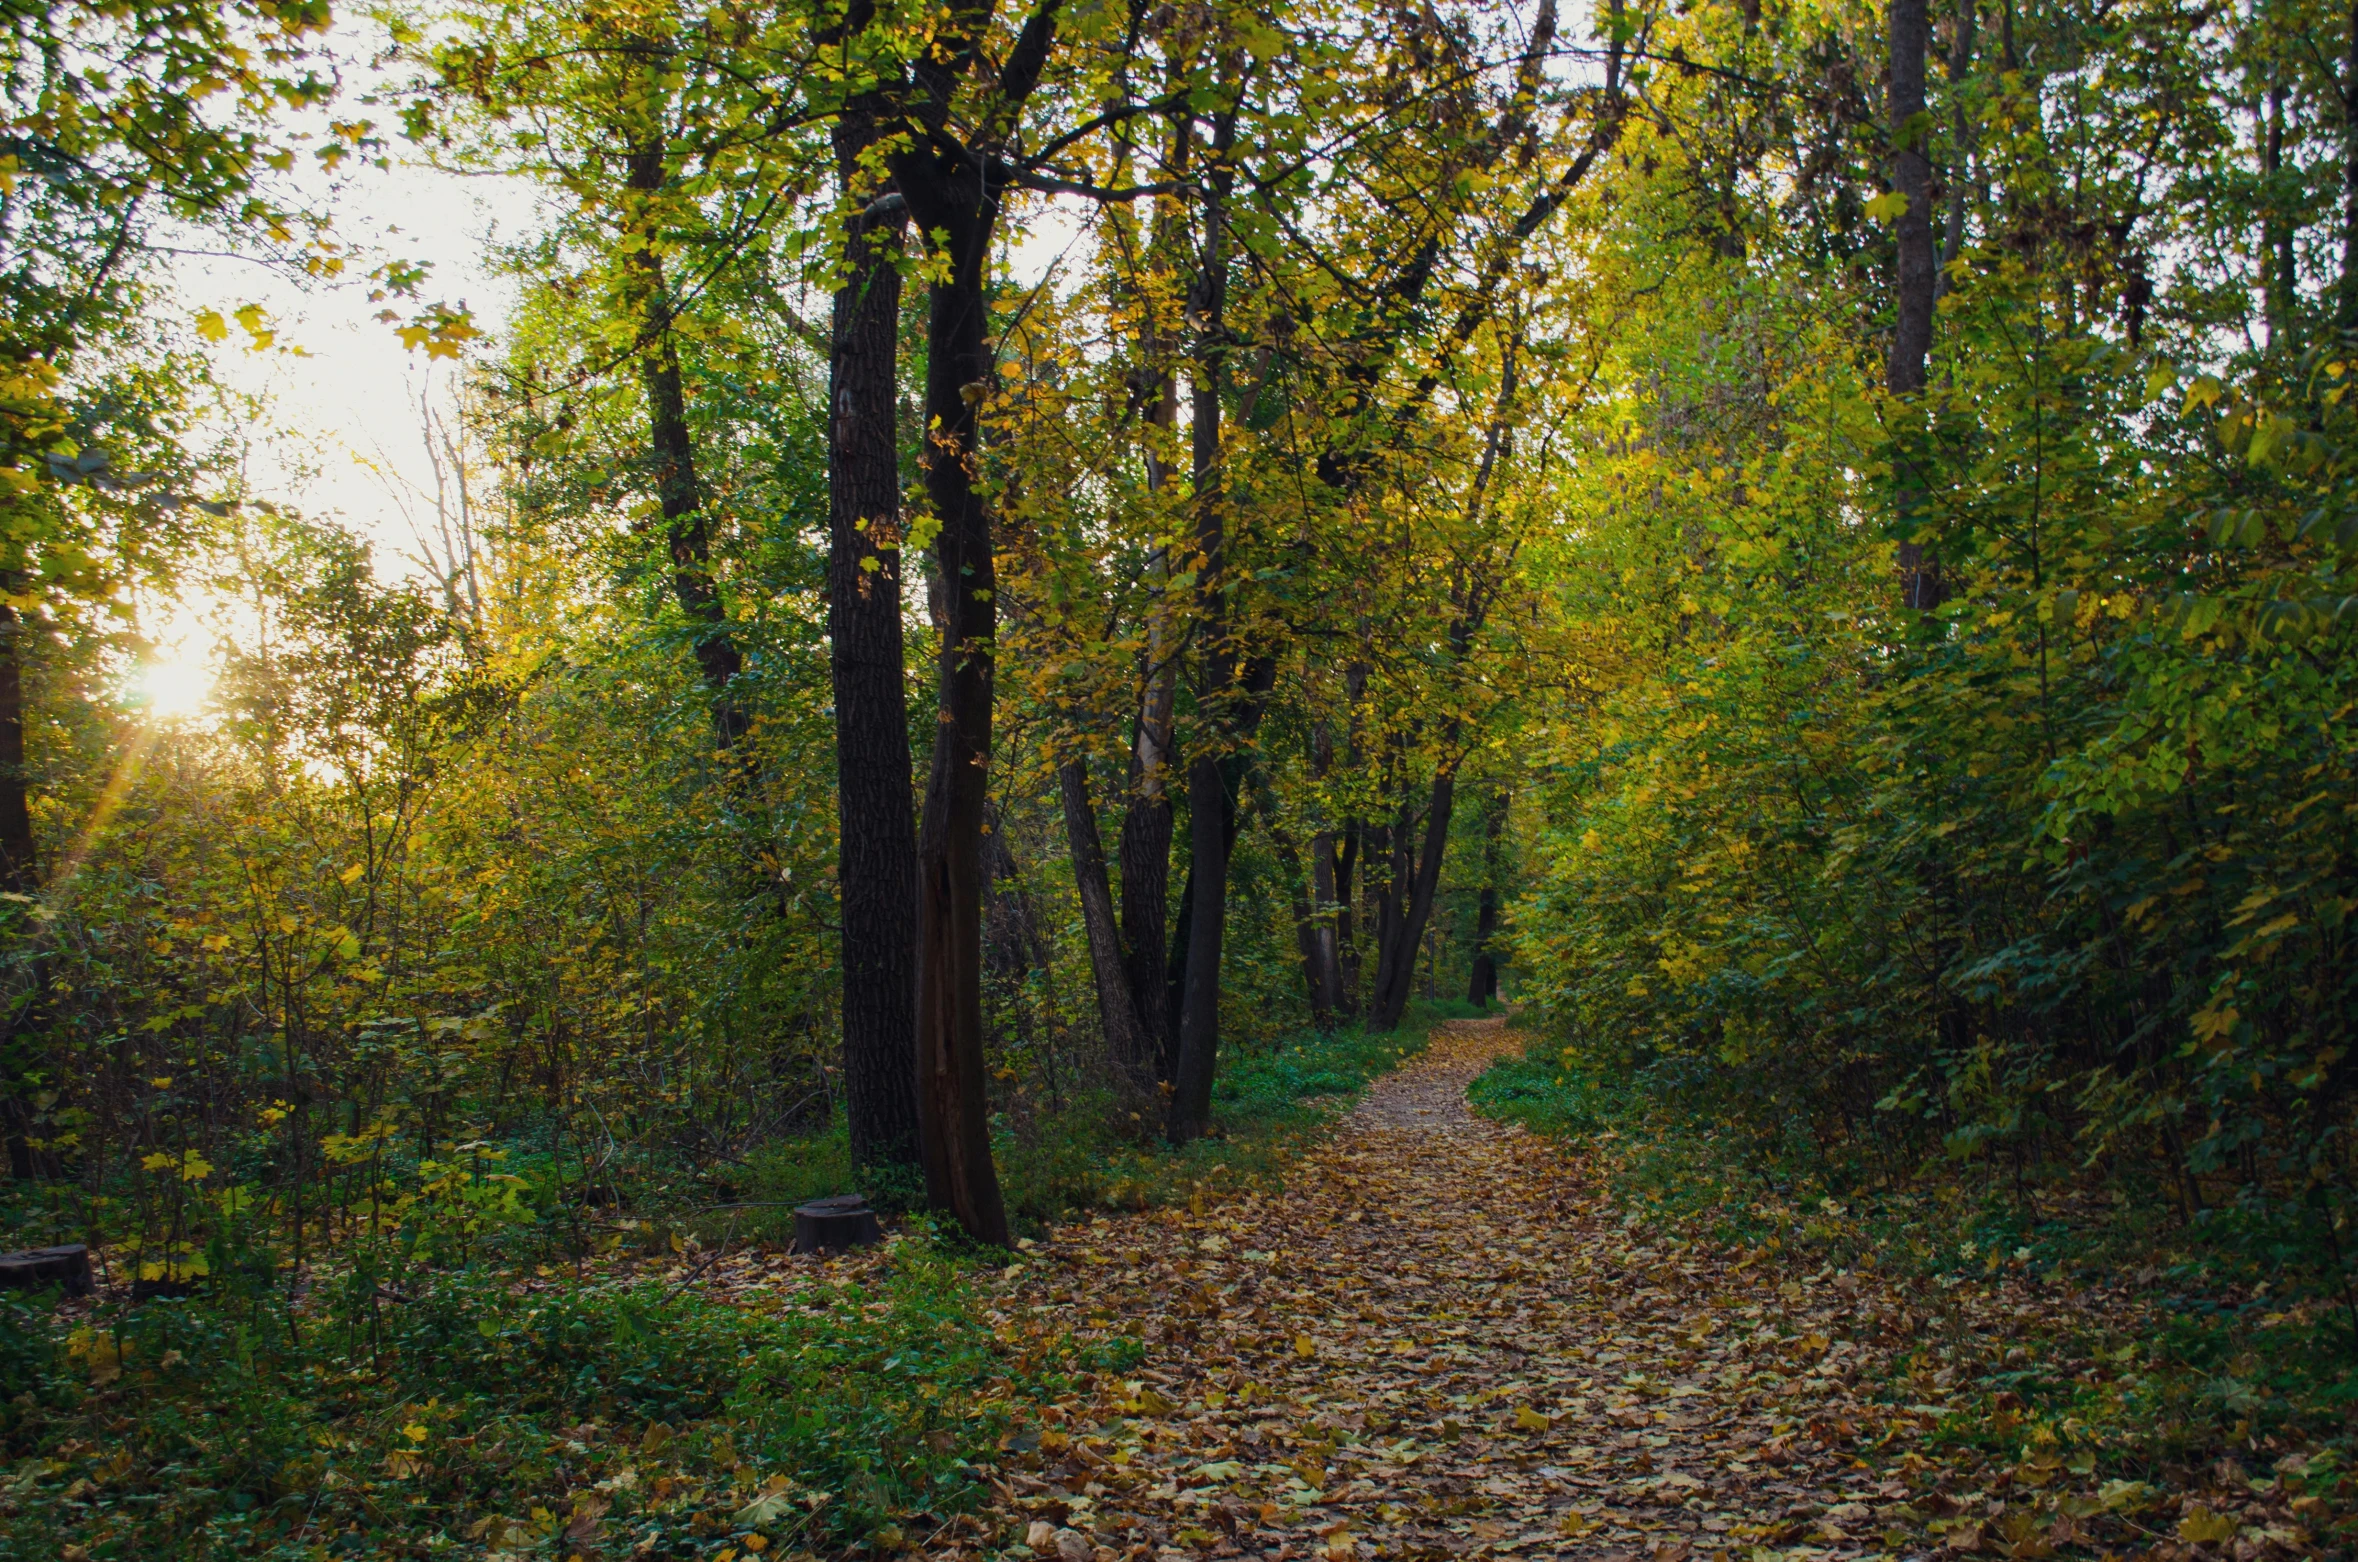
[[1437, 1341]]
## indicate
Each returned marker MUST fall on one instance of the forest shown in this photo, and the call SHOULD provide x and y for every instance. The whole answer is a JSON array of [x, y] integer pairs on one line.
[[1518, 779]]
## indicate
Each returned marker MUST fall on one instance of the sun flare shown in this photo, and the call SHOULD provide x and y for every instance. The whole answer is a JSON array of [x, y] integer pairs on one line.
[[175, 690]]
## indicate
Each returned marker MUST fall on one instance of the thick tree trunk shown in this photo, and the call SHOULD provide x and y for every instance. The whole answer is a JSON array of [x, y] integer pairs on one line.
[[1914, 284], [1129, 1050], [1211, 826], [876, 859], [953, 202], [1146, 863], [1396, 962], [1147, 816]]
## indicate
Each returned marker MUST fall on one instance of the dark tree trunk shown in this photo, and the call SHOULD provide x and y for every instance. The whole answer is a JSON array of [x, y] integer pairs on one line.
[[1311, 938], [1412, 903], [1211, 828], [1913, 289], [951, 1094], [2277, 233], [954, 195], [1129, 1050], [687, 539], [1146, 867], [2346, 305], [1961, 130], [18, 871], [1482, 983], [1321, 943], [1147, 817], [19, 875], [876, 869]]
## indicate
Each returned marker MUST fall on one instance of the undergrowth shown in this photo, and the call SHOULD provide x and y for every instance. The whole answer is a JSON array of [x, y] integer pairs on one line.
[[2130, 1335], [530, 1415]]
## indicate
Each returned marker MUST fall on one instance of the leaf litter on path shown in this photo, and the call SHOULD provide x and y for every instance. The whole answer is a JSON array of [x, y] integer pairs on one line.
[[1441, 1341]]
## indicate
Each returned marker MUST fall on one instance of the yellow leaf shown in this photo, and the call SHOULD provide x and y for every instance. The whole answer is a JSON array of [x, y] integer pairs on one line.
[[211, 326], [2204, 1527], [414, 1432], [1531, 1420], [1305, 1346]]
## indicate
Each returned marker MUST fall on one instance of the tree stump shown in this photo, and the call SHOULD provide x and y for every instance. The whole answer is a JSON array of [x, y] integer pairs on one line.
[[37, 1268], [824, 1225]]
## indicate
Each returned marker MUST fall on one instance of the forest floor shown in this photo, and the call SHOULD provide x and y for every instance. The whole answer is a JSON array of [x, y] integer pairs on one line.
[[1441, 1338]]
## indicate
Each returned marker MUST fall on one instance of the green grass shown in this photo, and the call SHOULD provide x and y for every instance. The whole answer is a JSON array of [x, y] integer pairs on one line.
[[1267, 1102], [553, 1413]]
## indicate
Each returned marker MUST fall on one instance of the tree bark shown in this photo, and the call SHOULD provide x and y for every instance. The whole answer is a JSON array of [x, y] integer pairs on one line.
[[687, 539], [1309, 927], [2346, 305], [1211, 826], [1960, 174], [876, 871], [1147, 816], [1129, 1050], [1322, 952], [19, 875], [1482, 981], [2277, 266], [954, 194], [1914, 282], [951, 1090], [1413, 903]]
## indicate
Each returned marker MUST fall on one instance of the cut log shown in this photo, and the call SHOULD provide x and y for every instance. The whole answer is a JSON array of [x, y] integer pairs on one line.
[[35, 1269], [825, 1225]]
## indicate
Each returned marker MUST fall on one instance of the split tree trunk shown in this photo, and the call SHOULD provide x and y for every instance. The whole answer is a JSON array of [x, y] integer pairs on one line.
[[1412, 902], [952, 1102], [876, 859]]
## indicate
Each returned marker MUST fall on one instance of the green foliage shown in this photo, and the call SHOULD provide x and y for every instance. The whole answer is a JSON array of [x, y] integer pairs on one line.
[[202, 1429]]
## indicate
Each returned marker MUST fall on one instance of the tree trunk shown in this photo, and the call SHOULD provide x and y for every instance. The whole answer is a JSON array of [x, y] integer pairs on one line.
[[2346, 306], [1321, 951], [1482, 984], [1917, 272], [687, 540], [1310, 932], [957, 203], [1961, 128], [19, 875], [1210, 824], [1129, 1049], [2277, 235], [1147, 815], [876, 858], [1396, 961]]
